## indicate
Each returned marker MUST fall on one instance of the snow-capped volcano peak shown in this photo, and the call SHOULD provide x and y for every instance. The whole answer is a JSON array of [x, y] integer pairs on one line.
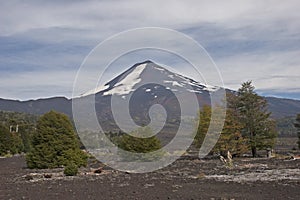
[[146, 72], [128, 81]]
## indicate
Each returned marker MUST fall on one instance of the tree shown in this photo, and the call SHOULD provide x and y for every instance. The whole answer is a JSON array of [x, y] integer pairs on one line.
[[55, 144], [5, 138], [26, 124], [9, 142], [204, 121], [255, 119], [230, 138], [139, 145], [297, 125]]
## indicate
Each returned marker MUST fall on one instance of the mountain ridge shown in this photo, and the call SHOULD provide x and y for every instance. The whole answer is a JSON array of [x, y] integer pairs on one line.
[[128, 82]]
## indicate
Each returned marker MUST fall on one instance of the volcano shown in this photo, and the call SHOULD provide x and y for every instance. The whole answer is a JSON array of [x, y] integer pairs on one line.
[[161, 84]]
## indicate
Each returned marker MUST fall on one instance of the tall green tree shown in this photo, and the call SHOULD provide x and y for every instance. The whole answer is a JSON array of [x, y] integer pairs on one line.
[[255, 119], [230, 139], [297, 125], [55, 144], [204, 118]]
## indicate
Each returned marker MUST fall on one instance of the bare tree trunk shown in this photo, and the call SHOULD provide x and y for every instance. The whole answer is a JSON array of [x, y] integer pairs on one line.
[[254, 152]]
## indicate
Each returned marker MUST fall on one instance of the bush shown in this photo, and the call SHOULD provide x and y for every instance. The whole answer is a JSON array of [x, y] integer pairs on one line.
[[138, 145], [71, 169], [55, 144]]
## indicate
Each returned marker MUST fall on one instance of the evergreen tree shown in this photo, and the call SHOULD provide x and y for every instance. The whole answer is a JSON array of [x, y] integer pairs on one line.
[[204, 121], [55, 144], [26, 124], [9, 142], [253, 114], [138, 145], [231, 138], [4, 140], [297, 125]]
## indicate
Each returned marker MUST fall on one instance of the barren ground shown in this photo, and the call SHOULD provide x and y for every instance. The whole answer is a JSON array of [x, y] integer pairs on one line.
[[187, 178]]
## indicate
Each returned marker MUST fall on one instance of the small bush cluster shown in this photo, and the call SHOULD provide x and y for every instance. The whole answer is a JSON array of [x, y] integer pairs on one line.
[[71, 169]]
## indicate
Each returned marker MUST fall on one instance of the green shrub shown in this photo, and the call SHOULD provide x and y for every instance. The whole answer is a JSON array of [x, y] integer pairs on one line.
[[55, 144], [71, 169], [139, 145]]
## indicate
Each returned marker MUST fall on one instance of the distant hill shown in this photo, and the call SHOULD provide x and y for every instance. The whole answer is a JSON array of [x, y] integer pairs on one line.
[[283, 107], [39, 106]]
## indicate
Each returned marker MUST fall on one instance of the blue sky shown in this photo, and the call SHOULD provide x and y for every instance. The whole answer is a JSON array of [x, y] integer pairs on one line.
[[43, 43]]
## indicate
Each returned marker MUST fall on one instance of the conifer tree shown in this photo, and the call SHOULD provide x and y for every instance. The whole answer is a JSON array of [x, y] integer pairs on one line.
[[9, 142], [4, 140], [230, 138], [258, 128], [55, 143], [204, 121], [297, 125]]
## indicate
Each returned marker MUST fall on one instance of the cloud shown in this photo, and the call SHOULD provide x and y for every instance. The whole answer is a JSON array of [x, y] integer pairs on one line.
[[33, 85], [248, 40]]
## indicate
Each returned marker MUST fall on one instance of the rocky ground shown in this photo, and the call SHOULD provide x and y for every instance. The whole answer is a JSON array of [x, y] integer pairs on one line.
[[187, 178]]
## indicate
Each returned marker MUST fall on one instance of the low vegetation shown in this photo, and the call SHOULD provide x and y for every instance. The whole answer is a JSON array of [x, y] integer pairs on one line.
[[138, 145], [71, 169]]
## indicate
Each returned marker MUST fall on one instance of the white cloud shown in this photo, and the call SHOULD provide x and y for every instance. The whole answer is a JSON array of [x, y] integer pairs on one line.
[[274, 71], [249, 40], [33, 85], [111, 16]]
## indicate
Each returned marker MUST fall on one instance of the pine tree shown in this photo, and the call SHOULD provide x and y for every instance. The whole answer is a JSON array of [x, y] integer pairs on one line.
[[253, 114], [55, 143], [297, 125]]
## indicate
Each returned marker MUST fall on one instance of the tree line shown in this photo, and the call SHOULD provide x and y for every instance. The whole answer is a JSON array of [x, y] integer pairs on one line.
[[50, 140], [16, 130]]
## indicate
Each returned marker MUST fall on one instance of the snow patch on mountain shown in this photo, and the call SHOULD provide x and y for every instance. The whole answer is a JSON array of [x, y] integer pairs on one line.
[[96, 90], [160, 69], [211, 88], [174, 83], [125, 86], [195, 91]]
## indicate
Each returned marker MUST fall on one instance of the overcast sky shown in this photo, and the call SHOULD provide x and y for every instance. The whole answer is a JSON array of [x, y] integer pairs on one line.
[[43, 43]]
